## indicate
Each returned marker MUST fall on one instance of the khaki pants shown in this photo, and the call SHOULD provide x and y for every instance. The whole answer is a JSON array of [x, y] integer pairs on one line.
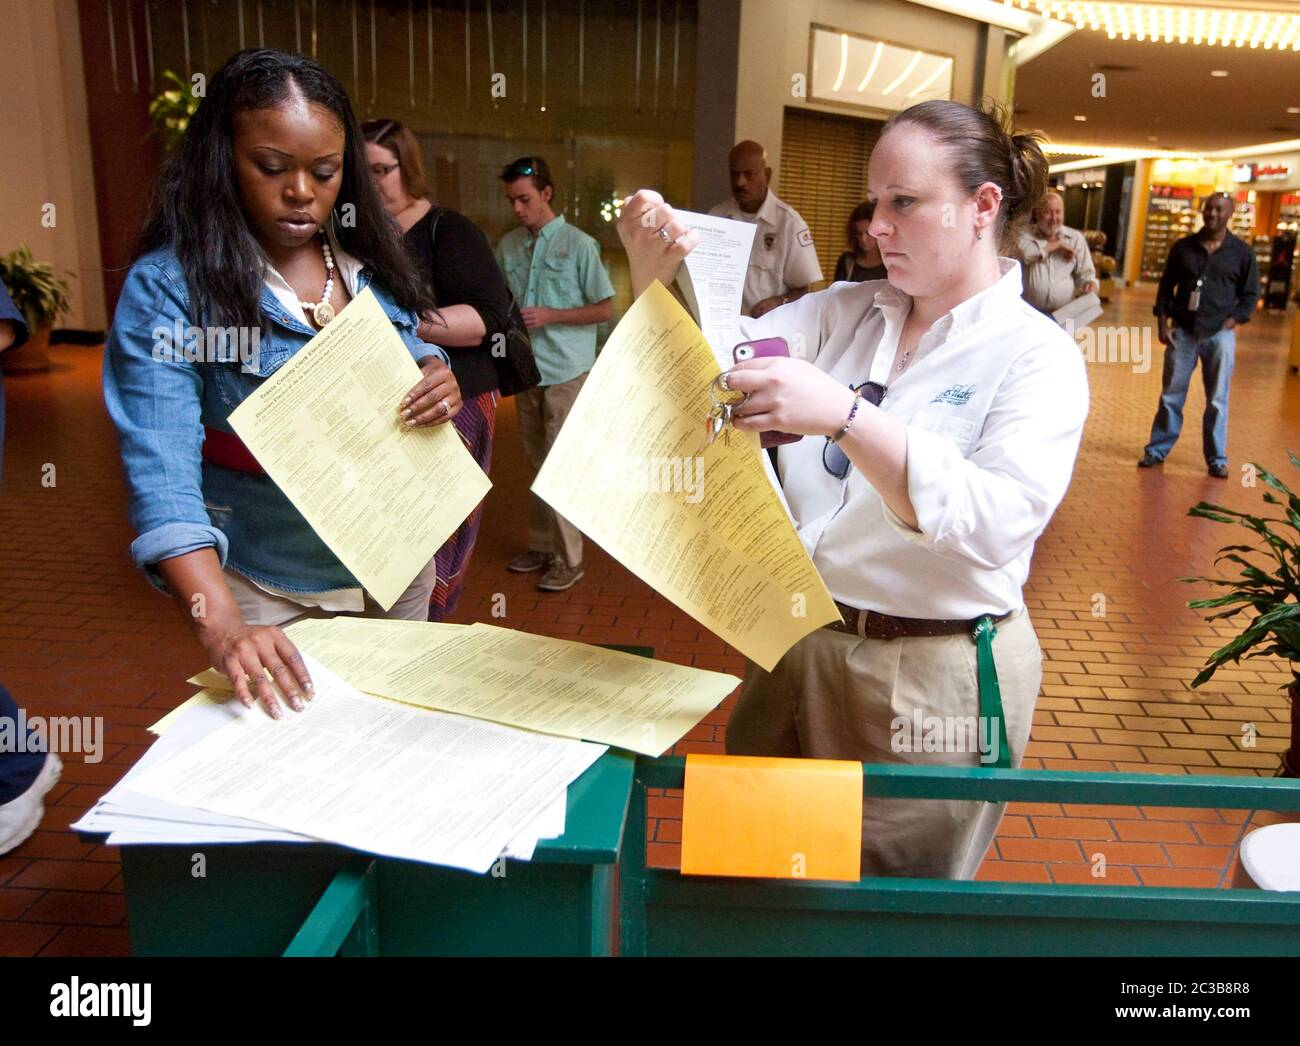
[[260, 607], [838, 696], [541, 413]]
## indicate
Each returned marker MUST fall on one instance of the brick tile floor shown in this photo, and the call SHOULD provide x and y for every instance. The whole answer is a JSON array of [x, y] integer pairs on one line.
[[81, 633]]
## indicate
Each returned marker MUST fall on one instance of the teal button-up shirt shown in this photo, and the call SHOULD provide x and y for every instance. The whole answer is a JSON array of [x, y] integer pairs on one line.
[[560, 269]]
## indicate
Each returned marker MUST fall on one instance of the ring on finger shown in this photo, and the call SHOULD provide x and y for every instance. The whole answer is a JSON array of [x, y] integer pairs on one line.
[[662, 233], [445, 408], [719, 384]]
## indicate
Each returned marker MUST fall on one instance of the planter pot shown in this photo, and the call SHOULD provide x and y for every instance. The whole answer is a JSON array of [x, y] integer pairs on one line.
[[32, 355], [1291, 757]]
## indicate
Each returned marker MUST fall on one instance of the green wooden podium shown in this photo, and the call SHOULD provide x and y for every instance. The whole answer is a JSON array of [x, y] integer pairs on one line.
[[317, 899]]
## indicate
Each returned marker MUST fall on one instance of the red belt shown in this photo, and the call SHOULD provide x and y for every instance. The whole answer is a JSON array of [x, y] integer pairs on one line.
[[229, 451]]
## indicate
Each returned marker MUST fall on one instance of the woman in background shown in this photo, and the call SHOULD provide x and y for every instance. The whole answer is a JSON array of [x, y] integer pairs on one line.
[[862, 261], [473, 308]]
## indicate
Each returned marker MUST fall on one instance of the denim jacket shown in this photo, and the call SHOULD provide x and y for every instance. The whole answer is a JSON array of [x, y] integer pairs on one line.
[[160, 401]]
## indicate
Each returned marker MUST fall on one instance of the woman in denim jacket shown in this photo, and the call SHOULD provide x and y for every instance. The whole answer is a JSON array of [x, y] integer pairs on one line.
[[265, 223]]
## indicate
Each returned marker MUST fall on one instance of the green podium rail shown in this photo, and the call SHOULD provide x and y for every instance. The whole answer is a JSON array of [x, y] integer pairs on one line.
[[666, 913]]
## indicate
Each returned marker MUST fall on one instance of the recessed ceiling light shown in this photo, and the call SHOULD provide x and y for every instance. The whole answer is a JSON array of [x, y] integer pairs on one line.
[[1081, 119], [1218, 72], [1293, 109], [1153, 138]]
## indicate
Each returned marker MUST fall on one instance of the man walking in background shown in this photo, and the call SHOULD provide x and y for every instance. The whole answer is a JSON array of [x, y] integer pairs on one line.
[[555, 273], [1209, 287]]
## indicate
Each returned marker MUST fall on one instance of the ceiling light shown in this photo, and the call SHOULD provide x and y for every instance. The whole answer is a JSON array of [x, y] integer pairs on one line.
[[1219, 72], [844, 62], [1156, 21], [1081, 119], [1103, 151], [904, 74]]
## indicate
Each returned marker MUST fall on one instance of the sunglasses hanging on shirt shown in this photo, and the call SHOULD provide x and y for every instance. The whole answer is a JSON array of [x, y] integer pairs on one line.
[[834, 460]]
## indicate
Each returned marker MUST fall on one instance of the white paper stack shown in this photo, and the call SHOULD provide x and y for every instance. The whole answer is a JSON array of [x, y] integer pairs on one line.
[[351, 769]]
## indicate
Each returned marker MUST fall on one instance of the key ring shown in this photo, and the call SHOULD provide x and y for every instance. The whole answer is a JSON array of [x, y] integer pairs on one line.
[[720, 384]]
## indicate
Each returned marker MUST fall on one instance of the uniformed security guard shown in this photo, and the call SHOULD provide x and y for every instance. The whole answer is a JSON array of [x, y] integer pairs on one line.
[[782, 262]]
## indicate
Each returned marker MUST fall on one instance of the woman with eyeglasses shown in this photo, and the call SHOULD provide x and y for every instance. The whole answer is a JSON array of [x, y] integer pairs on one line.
[[941, 418], [473, 309], [265, 221]]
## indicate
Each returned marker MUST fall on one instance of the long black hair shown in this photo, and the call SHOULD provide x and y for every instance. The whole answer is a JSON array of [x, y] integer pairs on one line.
[[196, 207]]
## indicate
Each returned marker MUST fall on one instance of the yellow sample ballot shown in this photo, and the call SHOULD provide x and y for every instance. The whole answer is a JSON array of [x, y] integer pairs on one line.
[[705, 530], [552, 686], [382, 495]]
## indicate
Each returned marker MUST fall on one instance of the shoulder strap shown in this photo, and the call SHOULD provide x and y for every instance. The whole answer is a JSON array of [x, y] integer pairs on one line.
[[437, 213]]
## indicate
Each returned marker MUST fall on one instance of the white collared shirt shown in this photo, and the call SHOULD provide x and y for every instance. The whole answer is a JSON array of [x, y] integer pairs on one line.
[[994, 404], [782, 257], [1052, 280]]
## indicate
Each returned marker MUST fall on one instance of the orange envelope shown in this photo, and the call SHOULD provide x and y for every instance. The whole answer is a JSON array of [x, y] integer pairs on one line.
[[772, 818]]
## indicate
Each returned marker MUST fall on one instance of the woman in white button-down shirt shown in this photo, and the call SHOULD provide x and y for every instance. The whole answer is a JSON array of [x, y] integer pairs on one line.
[[922, 516]]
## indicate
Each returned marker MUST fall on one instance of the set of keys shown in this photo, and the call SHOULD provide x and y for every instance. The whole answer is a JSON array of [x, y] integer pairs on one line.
[[719, 419]]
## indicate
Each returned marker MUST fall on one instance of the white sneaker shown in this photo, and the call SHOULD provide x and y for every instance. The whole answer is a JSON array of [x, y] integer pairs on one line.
[[19, 817]]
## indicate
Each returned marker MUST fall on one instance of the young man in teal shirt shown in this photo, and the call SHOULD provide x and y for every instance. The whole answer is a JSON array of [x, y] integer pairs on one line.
[[555, 273]]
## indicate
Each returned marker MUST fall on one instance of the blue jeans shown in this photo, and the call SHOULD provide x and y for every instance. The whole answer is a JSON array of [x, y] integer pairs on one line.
[[1217, 354], [17, 769]]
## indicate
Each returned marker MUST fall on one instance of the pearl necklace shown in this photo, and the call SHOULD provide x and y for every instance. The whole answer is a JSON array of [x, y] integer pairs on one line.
[[322, 311]]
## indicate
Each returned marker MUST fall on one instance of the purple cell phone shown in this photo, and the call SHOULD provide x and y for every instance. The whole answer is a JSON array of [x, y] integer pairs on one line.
[[752, 350]]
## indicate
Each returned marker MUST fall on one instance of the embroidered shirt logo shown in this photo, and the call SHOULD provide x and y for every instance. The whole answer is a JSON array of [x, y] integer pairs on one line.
[[957, 395]]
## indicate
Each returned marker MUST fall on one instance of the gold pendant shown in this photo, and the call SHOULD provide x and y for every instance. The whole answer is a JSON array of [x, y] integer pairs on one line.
[[323, 313]]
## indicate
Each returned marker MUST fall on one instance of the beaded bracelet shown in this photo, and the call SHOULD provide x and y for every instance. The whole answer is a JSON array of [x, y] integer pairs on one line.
[[857, 401]]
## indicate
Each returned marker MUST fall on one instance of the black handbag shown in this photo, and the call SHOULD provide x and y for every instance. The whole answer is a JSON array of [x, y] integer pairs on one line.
[[516, 368]]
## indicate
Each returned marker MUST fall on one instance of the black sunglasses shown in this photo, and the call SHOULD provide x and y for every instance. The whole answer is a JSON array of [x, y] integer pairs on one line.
[[834, 460]]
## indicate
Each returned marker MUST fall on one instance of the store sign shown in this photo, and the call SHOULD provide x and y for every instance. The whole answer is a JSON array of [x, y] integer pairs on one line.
[[1093, 174], [1261, 172]]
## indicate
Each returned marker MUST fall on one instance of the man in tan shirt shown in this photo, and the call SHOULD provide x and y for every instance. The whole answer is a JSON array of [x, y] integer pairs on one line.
[[1058, 263]]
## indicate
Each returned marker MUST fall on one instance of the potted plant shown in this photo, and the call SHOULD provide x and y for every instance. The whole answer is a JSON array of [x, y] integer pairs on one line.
[[42, 297], [1272, 590], [172, 111]]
